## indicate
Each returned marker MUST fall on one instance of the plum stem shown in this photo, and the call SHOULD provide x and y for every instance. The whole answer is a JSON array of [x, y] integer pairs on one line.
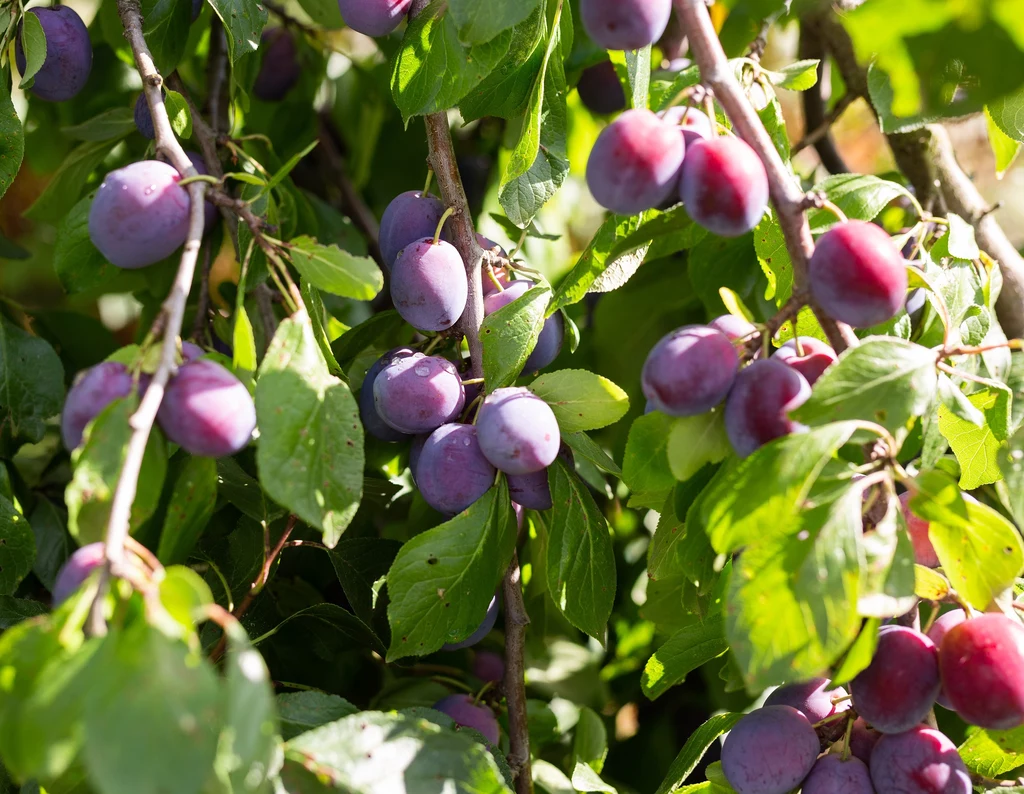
[[430, 179], [440, 224], [785, 191]]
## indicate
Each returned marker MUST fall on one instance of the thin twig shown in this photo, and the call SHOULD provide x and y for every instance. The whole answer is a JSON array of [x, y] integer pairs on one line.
[[823, 128], [199, 325], [785, 190], [516, 621], [170, 319]]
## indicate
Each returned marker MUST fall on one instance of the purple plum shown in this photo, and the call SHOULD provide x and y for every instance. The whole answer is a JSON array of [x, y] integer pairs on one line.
[[418, 393], [428, 285], [690, 371], [372, 422], [757, 410], [517, 431], [811, 361], [374, 17], [75, 571], [452, 472], [918, 761], [769, 751], [489, 667], [832, 775], [549, 343], [93, 390], [724, 186], [490, 618], [409, 217], [280, 69], [467, 713], [625, 24], [68, 62], [600, 89]]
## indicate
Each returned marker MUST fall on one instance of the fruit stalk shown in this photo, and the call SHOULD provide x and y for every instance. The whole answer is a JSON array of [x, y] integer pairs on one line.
[[785, 193], [169, 321]]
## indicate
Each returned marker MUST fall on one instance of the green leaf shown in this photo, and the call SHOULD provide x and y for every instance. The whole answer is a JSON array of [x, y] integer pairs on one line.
[[243, 342], [590, 741], [977, 448], [580, 557], [80, 267], [645, 469], [137, 736], [303, 711], [243, 21], [479, 22], [373, 753], [1004, 147], [685, 651], [443, 580], [325, 13], [31, 384], [993, 753], [193, 498], [581, 400], [596, 259], [698, 743], [695, 441], [165, 25], [184, 594], [98, 466], [884, 380], [359, 563], [586, 449], [510, 334], [310, 454], [112, 123], [586, 779], [328, 625], [178, 112], [17, 547], [638, 69], [12, 140], [860, 196], [354, 341], [338, 272], [66, 185], [433, 70], [33, 42], [860, 654], [15, 610], [888, 578], [798, 76], [1011, 463]]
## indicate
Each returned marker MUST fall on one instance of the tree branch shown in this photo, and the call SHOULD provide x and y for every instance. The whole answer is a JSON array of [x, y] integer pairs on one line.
[[785, 192], [171, 316], [516, 621], [815, 119]]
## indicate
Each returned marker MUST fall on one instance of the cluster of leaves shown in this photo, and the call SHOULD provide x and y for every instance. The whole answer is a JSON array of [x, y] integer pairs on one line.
[[643, 559]]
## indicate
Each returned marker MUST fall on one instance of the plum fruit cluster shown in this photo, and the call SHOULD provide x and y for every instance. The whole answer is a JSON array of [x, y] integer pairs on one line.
[[877, 737], [696, 368], [68, 61], [206, 410]]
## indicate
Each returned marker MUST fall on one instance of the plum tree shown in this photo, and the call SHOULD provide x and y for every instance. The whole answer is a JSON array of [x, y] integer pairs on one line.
[[374, 17], [982, 663], [428, 285], [813, 698], [694, 125], [757, 409], [92, 391], [600, 89], [857, 274], [734, 327], [896, 691], [517, 430], [280, 68], [724, 186], [634, 165], [924, 551], [75, 571], [452, 472], [207, 411], [409, 217], [937, 633], [68, 62], [769, 751], [811, 361], [549, 343], [918, 761], [139, 214], [417, 393], [467, 713], [482, 631], [863, 739], [372, 422], [690, 371], [625, 24], [489, 666], [832, 775]]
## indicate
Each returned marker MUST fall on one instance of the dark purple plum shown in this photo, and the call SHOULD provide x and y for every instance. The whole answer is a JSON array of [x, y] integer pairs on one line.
[[769, 751], [811, 698], [817, 357], [918, 761], [857, 275], [75, 571], [724, 186], [207, 411], [191, 351], [489, 667], [863, 739], [428, 285], [734, 327], [143, 118], [982, 662], [374, 17], [372, 422], [695, 125], [898, 689], [937, 633], [452, 472], [68, 62], [418, 393], [601, 90], [690, 371], [924, 551], [93, 390], [833, 775], [197, 9], [625, 24], [549, 343], [280, 68], [139, 214], [466, 712], [489, 245], [517, 431], [634, 165], [409, 217], [415, 450], [532, 490], [482, 631], [210, 213], [757, 410]]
